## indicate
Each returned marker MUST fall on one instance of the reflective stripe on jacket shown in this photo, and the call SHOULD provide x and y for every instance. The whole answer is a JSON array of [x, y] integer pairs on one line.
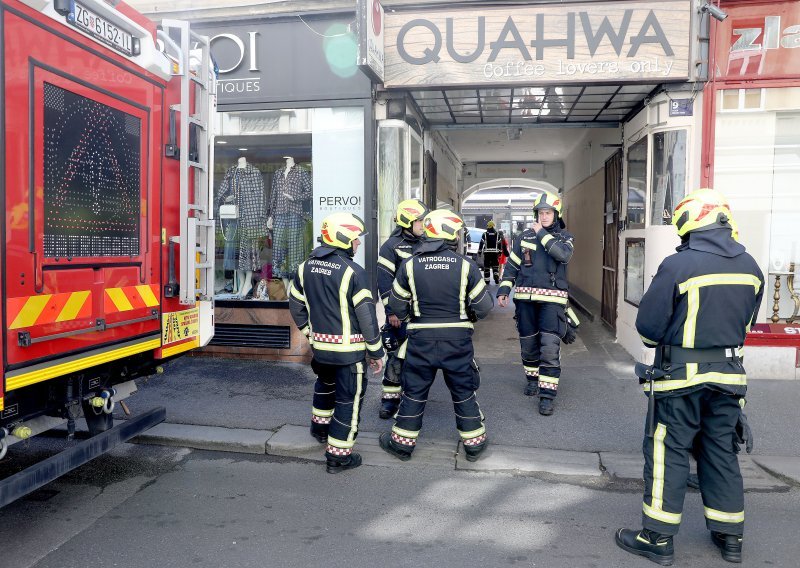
[[439, 291], [398, 247], [545, 279], [705, 296], [331, 302]]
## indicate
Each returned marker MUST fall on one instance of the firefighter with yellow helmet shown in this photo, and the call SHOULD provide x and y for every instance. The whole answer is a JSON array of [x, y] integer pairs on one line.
[[695, 314], [331, 302], [537, 271], [398, 247], [441, 293]]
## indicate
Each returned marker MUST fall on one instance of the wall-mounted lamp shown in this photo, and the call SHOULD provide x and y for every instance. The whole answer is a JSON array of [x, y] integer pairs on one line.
[[716, 12]]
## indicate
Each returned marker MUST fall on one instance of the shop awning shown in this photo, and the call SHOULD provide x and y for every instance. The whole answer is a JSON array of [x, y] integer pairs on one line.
[[590, 105]]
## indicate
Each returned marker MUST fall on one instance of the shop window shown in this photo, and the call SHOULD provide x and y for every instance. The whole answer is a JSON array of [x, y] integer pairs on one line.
[[634, 270], [276, 175], [757, 167], [637, 184], [669, 175], [400, 174], [742, 99]]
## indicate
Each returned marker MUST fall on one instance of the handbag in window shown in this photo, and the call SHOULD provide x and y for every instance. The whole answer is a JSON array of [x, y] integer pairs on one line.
[[228, 211]]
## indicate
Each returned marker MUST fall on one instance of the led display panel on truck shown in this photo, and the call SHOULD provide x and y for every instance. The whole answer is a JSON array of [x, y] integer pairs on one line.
[[92, 185]]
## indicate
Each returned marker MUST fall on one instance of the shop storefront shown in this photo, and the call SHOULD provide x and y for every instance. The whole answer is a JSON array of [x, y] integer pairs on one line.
[[294, 142], [752, 154]]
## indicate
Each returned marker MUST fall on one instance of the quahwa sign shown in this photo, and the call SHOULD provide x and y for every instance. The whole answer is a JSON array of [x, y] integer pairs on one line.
[[591, 42]]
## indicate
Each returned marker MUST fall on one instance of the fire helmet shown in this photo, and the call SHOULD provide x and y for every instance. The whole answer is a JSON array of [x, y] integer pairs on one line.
[[341, 229], [547, 200], [409, 211], [442, 224], [703, 210]]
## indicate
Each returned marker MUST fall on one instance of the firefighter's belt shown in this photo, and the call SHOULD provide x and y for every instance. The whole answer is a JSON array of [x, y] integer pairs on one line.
[[667, 355]]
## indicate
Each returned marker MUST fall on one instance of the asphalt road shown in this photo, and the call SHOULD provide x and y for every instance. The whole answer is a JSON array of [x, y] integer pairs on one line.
[[144, 506]]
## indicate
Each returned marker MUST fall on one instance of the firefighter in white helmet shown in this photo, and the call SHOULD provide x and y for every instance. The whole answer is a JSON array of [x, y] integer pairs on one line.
[[394, 251], [441, 293], [331, 302], [537, 272], [695, 314]]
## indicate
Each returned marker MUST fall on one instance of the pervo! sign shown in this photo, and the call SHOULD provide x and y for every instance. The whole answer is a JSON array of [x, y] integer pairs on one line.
[[591, 42]]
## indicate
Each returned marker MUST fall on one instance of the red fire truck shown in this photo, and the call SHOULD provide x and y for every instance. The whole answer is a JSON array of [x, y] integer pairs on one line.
[[108, 233]]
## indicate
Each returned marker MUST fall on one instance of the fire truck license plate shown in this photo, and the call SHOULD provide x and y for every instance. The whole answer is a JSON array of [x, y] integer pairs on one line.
[[101, 28]]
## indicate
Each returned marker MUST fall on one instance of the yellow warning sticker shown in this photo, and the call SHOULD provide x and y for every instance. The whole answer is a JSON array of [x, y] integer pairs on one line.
[[177, 326]]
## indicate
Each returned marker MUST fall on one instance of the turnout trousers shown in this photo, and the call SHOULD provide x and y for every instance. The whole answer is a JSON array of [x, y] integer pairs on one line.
[[425, 356], [541, 325], [711, 416], [338, 397], [491, 261]]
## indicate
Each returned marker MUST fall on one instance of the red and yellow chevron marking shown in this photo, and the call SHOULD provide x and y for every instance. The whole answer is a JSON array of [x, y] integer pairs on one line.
[[131, 298], [28, 311]]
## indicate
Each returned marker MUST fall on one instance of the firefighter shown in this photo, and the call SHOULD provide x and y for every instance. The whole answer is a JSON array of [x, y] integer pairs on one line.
[[537, 270], [331, 303], [441, 293], [394, 251], [490, 248], [695, 313]]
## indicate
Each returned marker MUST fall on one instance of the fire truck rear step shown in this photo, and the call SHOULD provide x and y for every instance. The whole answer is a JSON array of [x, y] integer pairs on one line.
[[50, 469]]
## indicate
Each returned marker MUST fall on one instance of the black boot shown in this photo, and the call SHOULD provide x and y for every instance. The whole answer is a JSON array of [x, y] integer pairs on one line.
[[693, 481], [546, 406], [320, 432], [532, 388], [653, 546], [472, 453], [338, 464], [730, 546], [389, 408], [392, 447]]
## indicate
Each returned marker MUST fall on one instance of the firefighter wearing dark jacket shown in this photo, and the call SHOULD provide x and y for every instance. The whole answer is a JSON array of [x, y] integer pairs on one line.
[[394, 251], [537, 271], [331, 302], [441, 294], [490, 247], [695, 313]]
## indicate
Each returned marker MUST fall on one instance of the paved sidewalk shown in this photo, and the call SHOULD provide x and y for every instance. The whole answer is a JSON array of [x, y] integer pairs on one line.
[[596, 431], [761, 473]]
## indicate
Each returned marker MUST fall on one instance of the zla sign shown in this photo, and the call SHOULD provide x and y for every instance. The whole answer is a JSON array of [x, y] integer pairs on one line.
[[619, 42]]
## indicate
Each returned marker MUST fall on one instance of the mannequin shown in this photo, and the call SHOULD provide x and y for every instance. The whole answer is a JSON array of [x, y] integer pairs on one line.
[[291, 186], [244, 278], [243, 184]]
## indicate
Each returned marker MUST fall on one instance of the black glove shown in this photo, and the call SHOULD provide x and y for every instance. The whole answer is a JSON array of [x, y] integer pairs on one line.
[[571, 334], [744, 435], [473, 317], [572, 327]]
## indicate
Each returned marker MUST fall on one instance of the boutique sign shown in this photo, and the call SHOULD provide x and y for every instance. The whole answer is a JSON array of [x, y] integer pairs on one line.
[[590, 42]]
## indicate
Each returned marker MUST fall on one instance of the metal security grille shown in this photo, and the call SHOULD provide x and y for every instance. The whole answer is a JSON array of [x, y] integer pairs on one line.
[[265, 336]]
